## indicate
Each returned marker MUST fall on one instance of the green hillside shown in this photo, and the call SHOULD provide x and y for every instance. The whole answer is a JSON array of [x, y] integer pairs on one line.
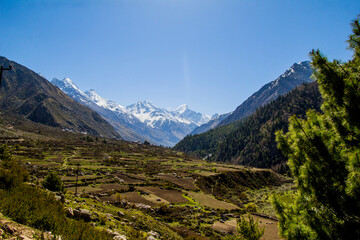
[[252, 141]]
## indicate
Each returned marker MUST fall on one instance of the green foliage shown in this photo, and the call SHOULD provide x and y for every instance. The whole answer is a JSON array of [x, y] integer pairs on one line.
[[324, 155], [249, 228], [53, 182], [31, 206], [11, 173], [251, 141], [251, 207], [5, 154]]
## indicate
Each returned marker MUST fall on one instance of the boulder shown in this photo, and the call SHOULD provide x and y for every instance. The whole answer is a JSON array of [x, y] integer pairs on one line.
[[120, 237], [69, 212], [9, 229], [24, 237], [154, 234], [82, 214]]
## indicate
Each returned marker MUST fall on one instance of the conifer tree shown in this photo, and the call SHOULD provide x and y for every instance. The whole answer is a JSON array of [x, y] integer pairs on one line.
[[324, 155]]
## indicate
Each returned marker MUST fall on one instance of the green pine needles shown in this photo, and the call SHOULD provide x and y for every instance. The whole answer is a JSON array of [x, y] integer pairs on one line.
[[53, 182], [324, 155]]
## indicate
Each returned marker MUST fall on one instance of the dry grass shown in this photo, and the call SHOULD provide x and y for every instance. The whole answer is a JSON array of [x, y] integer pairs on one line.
[[187, 184], [85, 189], [172, 196], [209, 201], [271, 230], [129, 180], [134, 197], [113, 186], [155, 199], [228, 227], [205, 173]]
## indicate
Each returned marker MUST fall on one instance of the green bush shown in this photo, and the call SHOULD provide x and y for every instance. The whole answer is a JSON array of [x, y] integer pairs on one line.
[[11, 173], [249, 228], [251, 207], [32, 206], [53, 182]]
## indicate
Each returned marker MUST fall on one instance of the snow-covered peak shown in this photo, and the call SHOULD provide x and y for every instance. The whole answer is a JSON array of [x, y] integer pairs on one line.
[[68, 87], [67, 83], [96, 98], [142, 107], [185, 112], [182, 108], [103, 102], [150, 114], [142, 117]]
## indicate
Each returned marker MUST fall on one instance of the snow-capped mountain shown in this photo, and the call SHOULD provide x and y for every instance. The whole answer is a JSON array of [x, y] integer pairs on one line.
[[68, 87], [296, 75], [140, 121], [105, 103], [109, 110], [197, 118]]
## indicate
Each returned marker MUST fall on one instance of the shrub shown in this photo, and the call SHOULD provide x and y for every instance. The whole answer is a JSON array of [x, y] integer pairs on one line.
[[251, 207], [32, 206], [53, 182], [11, 173], [249, 228]]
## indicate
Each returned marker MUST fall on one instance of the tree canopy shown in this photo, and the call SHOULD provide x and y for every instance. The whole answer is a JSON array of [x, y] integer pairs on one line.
[[324, 155]]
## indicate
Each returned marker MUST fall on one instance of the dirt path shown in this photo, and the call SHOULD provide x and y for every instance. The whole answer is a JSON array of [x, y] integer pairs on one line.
[[64, 164]]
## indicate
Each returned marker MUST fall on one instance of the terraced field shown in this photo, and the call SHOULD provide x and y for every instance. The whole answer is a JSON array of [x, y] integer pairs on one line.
[[155, 182]]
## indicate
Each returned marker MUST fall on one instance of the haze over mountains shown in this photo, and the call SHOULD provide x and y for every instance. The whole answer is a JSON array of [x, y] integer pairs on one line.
[[140, 121]]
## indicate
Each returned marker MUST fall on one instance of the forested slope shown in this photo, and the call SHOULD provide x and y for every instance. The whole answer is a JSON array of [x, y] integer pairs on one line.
[[251, 141]]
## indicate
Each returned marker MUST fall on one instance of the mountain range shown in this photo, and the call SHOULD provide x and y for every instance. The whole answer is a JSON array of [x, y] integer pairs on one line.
[[28, 96], [140, 121], [296, 75]]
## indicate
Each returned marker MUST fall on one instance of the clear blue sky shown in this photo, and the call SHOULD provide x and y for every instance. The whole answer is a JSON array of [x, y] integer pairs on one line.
[[210, 54]]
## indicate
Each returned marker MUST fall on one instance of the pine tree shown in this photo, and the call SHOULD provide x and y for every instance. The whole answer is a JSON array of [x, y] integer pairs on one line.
[[324, 155], [53, 182]]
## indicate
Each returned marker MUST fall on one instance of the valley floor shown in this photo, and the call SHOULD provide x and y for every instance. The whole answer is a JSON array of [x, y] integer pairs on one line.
[[148, 192]]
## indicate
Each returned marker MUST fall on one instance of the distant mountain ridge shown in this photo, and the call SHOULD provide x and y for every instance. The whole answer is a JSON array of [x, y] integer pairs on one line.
[[27, 94], [140, 121], [296, 75], [213, 123]]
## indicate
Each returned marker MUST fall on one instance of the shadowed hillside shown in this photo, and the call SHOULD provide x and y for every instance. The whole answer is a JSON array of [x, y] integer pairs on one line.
[[28, 94]]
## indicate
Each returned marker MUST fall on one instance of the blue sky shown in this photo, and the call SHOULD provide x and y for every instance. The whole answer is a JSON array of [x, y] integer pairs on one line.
[[209, 54]]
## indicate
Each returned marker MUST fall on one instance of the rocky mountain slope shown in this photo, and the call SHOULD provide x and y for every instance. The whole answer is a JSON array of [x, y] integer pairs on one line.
[[27, 94], [140, 121], [296, 75]]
